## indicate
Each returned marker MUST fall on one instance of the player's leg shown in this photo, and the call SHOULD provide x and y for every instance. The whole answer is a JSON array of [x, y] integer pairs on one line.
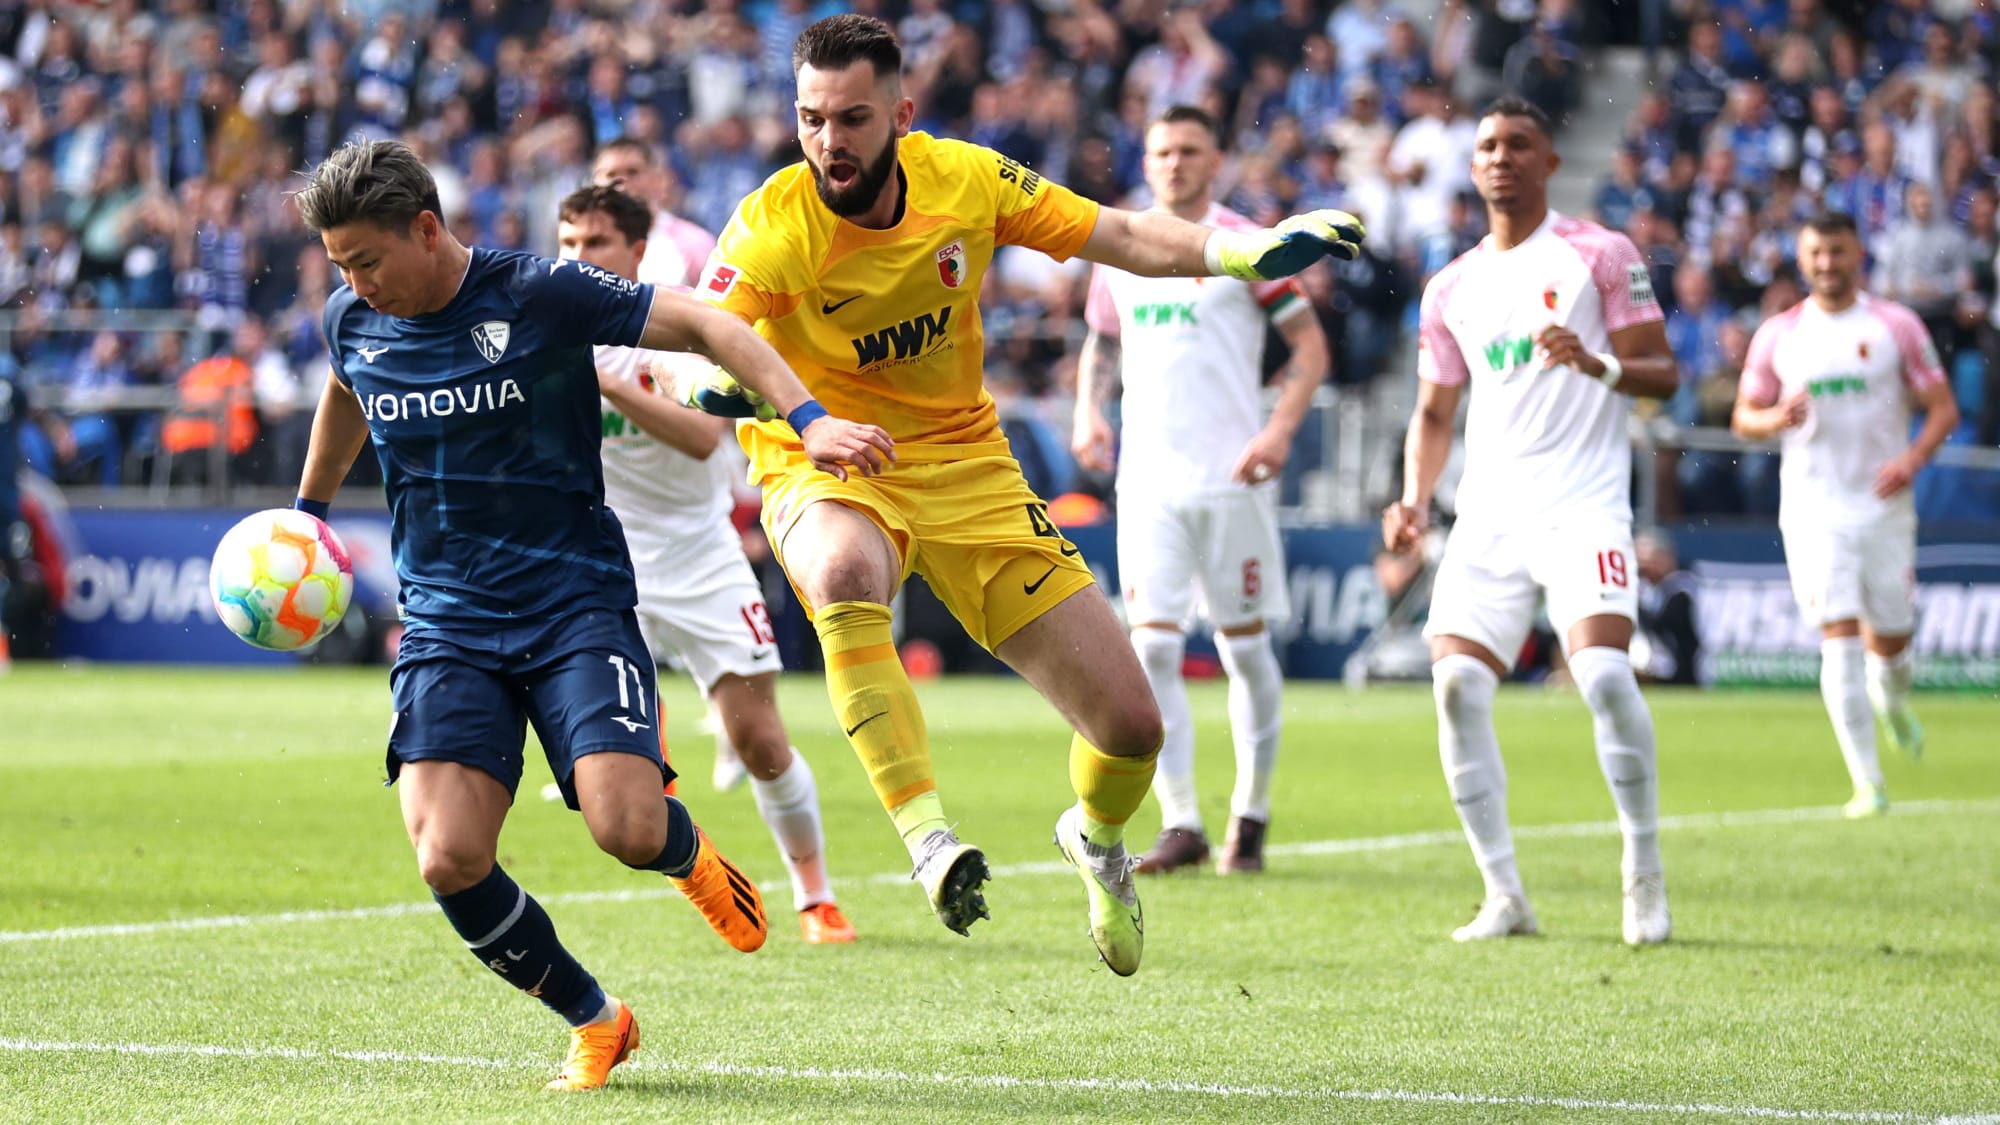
[[1888, 612], [1156, 567], [1826, 579], [1244, 586], [787, 796], [713, 615], [1591, 583], [845, 569], [454, 754], [1481, 606], [1073, 653], [589, 690]]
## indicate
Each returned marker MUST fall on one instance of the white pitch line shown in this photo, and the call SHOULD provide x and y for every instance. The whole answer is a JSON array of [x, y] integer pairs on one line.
[[1008, 1081], [1746, 819]]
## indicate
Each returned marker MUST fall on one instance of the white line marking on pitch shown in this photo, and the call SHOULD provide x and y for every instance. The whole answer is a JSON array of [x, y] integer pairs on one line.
[[1008, 1081], [1746, 819]]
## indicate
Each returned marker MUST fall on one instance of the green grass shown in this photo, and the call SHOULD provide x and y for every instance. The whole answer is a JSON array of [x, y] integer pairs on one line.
[[1826, 969]]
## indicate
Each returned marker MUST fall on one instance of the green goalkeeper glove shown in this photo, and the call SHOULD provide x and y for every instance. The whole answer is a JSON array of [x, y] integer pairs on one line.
[[717, 392], [1286, 249]]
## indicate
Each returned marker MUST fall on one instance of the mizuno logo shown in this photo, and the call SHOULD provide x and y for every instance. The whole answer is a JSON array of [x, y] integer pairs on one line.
[[864, 722], [906, 339], [629, 723], [369, 354], [828, 309]]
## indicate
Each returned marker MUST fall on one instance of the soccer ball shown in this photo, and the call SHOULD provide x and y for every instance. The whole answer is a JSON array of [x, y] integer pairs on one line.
[[280, 579]]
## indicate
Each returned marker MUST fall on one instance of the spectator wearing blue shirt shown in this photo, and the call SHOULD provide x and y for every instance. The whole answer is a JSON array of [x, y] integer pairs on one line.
[[1699, 88], [1762, 144], [1622, 191], [1694, 330]]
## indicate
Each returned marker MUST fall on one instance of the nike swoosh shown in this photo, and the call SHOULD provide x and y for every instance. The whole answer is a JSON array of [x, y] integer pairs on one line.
[[864, 722], [1068, 549], [1030, 587], [826, 309], [759, 654]]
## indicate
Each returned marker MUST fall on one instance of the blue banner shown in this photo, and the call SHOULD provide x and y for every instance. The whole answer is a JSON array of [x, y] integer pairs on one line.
[[139, 589]]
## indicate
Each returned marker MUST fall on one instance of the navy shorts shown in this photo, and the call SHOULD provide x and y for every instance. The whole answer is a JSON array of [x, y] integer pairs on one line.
[[585, 680]]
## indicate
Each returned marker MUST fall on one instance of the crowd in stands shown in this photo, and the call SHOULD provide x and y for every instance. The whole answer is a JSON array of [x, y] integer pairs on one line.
[[1773, 110], [147, 152]]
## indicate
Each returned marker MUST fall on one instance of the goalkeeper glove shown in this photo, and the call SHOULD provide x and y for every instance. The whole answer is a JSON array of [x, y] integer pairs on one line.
[[1286, 249], [717, 392]]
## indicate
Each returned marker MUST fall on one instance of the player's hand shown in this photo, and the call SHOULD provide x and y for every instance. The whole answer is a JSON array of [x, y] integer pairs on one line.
[[717, 392], [835, 443], [1403, 527], [1092, 440], [1896, 474], [1262, 459], [1561, 347], [1792, 412], [1289, 247]]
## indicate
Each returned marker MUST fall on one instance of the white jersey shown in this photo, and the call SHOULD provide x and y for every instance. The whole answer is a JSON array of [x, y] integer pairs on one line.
[[676, 251], [1858, 366], [1543, 445], [661, 495], [1193, 351]]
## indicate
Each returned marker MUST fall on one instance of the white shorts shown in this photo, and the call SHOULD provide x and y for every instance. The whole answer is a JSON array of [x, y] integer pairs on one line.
[[1223, 546], [699, 600], [1489, 582], [1864, 574]]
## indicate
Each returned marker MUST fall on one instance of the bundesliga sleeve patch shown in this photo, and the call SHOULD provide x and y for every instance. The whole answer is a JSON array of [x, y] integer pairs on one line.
[[1640, 284], [717, 281]]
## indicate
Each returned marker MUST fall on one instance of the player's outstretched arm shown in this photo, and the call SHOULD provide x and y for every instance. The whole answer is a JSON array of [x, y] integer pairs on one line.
[[680, 323], [1156, 244], [1425, 450], [339, 431]]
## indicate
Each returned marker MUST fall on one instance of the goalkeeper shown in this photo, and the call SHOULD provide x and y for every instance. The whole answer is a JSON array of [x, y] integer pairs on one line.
[[862, 266]]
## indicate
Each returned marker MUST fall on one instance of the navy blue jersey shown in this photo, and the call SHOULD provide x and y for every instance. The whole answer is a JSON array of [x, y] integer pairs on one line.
[[485, 417]]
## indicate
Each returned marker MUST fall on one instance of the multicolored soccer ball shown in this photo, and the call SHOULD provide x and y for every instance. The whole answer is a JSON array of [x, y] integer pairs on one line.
[[280, 579]]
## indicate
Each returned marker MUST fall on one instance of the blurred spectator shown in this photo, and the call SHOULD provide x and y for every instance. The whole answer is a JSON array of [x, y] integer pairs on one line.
[[1699, 88], [1622, 191], [1924, 262], [1762, 144], [1874, 194], [1430, 162], [1180, 66], [1694, 330], [215, 406], [1665, 644], [1543, 68]]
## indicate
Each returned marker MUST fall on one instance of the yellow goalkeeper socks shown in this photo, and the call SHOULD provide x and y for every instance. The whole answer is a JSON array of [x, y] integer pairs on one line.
[[877, 708], [1109, 789]]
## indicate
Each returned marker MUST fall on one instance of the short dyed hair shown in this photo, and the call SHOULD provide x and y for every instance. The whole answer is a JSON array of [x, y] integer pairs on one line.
[[1514, 105], [838, 42], [629, 214], [378, 182]]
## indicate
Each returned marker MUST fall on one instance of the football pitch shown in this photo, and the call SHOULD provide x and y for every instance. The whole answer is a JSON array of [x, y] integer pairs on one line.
[[208, 912]]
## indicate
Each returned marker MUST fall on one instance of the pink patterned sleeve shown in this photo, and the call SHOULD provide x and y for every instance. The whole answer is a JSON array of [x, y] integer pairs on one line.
[[1921, 367], [1623, 283], [1438, 358], [1100, 312], [1759, 386]]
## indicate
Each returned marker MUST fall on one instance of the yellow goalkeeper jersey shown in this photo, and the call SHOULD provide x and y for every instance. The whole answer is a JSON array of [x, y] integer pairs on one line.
[[883, 326]]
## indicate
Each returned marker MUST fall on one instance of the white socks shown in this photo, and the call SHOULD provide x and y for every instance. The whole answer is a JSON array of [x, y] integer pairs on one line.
[[789, 804], [1889, 680], [1464, 687], [1256, 689], [1160, 652], [1843, 684], [1625, 750]]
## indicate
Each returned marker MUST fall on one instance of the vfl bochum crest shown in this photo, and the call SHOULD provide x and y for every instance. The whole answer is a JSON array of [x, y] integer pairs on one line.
[[492, 339]]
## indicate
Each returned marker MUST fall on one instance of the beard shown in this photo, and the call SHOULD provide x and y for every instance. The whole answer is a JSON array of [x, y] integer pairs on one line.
[[857, 197]]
